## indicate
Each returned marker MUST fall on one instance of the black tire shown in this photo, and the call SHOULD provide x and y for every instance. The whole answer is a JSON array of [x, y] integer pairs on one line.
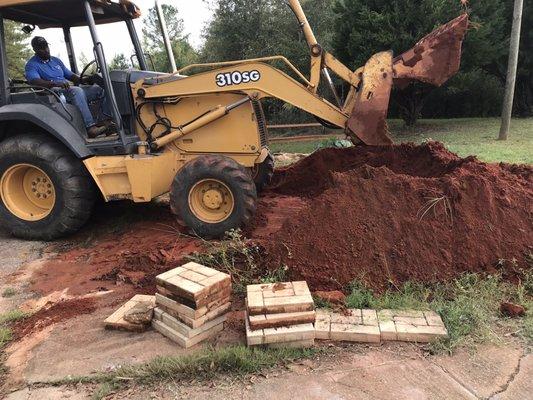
[[222, 169], [74, 187], [263, 173]]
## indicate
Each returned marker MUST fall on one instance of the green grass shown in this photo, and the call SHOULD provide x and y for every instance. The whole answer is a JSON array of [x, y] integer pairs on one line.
[[12, 316], [468, 305], [206, 364], [8, 292], [472, 136], [6, 335]]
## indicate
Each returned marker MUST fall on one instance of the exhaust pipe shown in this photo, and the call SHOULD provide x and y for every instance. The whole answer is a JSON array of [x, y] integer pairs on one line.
[[166, 39]]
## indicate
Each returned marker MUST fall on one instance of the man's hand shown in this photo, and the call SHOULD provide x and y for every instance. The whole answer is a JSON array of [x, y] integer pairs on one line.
[[63, 85]]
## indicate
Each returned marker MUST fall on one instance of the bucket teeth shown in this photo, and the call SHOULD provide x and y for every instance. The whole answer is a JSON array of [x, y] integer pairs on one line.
[[433, 60]]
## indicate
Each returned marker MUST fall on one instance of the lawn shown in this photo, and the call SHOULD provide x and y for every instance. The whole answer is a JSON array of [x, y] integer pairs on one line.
[[473, 136]]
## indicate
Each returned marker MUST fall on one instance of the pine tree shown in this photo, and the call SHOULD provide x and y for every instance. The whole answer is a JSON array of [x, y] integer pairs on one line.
[[18, 50], [154, 45]]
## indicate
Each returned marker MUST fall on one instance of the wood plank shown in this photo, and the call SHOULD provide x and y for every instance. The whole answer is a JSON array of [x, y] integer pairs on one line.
[[208, 301], [167, 275], [201, 269], [295, 333], [277, 305], [255, 303], [387, 330], [214, 284], [355, 333], [184, 329], [279, 293], [301, 288], [285, 319], [117, 321], [182, 340], [323, 325], [420, 334], [410, 321], [370, 317], [183, 287], [196, 323], [253, 338], [179, 307], [289, 334], [433, 319], [193, 276]]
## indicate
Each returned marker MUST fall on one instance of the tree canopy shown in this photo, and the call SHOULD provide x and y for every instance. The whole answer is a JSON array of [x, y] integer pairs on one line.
[[154, 45], [17, 49], [356, 29]]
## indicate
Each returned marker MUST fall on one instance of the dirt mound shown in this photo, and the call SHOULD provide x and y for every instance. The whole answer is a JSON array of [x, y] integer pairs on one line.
[[312, 175], [388, 215]]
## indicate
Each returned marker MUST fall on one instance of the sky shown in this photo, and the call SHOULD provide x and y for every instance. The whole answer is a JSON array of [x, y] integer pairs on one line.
[[115, 37]]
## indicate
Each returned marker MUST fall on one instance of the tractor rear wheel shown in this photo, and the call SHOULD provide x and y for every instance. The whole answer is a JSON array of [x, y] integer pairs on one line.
[[212, 195], [263, 173], [45, 191]]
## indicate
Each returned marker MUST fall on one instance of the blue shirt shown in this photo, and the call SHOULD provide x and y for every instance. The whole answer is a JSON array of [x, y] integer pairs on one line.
[[51, 70]]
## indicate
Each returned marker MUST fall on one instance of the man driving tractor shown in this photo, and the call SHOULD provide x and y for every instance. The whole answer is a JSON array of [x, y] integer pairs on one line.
[[50, 72]]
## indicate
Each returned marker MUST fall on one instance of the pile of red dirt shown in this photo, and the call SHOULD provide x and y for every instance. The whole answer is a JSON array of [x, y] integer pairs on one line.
[[387, 215]]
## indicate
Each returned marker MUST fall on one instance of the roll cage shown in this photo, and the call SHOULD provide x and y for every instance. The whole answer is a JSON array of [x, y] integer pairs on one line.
[[65, 14]]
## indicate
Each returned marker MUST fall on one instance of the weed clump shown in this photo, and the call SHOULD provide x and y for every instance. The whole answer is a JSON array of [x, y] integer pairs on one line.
[[468, 305], [241, 258]]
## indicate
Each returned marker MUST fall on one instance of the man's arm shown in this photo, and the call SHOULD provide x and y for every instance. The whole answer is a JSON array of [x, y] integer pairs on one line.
[[34, 78], [71, 76]]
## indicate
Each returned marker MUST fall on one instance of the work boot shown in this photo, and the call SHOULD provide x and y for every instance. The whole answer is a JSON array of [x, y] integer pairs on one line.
[[94, 131], [110, 127]]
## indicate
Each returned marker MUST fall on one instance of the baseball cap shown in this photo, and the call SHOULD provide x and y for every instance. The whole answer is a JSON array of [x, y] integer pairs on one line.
[[38, 42]]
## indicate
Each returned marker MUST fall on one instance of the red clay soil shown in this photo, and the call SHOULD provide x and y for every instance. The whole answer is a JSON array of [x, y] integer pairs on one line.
[[338, 215], [53, 314], [403, 213], [125, 262]]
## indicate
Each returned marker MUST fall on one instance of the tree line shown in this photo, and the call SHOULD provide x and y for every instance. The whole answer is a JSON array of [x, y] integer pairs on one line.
[[352, 30]]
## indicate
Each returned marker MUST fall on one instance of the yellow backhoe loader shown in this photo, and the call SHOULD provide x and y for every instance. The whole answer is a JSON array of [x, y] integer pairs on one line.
[[199, 134]]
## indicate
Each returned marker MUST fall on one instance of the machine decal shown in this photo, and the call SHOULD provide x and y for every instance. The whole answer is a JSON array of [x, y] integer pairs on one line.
[[237, 78]]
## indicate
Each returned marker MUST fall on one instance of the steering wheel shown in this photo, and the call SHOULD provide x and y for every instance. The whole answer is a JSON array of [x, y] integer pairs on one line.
[[84, 73]]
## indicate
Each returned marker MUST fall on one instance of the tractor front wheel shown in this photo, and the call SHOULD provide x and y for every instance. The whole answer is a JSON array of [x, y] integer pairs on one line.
[[212, 195], [45, 191]]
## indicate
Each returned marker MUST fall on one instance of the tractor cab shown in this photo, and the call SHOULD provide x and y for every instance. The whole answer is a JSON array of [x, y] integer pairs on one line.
[[33, 105]]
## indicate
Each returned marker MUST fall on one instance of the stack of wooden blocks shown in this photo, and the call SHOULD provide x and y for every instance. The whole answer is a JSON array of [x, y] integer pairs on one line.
[[192, 302], [280, 314]]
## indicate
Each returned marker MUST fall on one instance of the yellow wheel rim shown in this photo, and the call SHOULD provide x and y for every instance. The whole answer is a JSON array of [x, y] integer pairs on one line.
[[27, 192], [211, 201]]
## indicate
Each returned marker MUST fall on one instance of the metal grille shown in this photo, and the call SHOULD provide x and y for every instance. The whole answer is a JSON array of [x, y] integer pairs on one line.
[[261, 122]]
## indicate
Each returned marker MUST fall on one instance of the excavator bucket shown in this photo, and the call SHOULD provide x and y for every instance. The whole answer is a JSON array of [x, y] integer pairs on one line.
[[368, 121], [433, 60]]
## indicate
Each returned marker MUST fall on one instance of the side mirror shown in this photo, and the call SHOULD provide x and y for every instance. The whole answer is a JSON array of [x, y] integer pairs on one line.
[[28, 29]]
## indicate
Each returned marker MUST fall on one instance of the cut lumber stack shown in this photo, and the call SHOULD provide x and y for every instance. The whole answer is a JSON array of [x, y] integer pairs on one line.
[[121, 318], [192, 302], [280, 314]]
